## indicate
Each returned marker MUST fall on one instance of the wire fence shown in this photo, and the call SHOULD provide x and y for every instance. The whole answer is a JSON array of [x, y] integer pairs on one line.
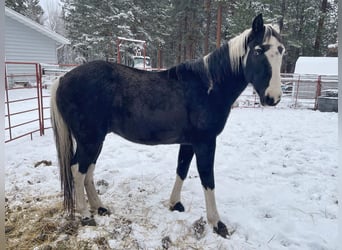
[[299, 91]]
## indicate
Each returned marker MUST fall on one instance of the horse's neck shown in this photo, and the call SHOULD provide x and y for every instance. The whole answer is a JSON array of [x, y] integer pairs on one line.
[[221, 73]]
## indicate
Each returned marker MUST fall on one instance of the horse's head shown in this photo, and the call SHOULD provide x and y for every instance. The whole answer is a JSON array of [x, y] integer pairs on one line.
[[262, 61]]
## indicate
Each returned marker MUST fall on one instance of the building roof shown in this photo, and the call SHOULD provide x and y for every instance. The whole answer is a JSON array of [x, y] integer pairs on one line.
[[36, 26], [317, 65]]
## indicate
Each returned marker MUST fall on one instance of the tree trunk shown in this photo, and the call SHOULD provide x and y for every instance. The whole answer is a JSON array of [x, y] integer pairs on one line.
[[281, 25], [320, 27], [207, 31], [185, 39], [179, 56], [191, 34], [219, 24], [159, 55], [283, 13]]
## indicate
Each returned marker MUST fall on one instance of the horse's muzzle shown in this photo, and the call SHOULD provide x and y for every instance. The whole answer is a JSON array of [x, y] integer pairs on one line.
[[270, 101]]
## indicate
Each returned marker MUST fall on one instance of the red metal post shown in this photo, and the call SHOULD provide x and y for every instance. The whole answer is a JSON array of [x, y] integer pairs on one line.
[[318, 91], [7, 106], [297, 90], [38, 99], [39, 79]]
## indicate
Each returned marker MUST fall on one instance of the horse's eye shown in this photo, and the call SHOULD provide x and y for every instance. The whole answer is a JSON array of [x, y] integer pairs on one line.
[[280, 49], [258, 51]]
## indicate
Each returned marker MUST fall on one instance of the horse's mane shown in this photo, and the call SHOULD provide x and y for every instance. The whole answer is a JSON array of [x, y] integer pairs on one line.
[[211, 69], [238, 45], [218, 65], [193, 68], [223, 61]]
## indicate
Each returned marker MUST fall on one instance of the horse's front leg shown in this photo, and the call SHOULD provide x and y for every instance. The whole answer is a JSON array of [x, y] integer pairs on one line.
[[185, 155], [205, 154]]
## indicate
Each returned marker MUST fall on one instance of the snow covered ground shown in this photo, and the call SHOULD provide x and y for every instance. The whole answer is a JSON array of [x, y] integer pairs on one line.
[[276, 186]]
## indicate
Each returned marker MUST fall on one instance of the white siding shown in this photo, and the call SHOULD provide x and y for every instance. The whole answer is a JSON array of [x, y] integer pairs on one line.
[[23, 44]]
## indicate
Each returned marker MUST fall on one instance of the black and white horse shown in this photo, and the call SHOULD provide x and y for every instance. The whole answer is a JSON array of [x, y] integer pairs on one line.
[[187, 104]]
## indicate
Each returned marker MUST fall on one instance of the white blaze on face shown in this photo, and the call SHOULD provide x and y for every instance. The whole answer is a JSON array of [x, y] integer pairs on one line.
[[274, 57]]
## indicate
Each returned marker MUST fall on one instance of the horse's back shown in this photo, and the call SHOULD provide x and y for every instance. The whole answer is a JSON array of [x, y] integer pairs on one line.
[[145, 107]]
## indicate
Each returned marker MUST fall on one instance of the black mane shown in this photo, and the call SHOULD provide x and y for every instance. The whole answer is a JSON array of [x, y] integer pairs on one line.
[[219, 65], [215, 68], [190, 71]]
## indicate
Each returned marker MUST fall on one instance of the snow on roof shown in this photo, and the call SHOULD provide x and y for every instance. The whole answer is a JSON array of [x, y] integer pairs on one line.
[[33, 25], [317, 65], [333, 46]]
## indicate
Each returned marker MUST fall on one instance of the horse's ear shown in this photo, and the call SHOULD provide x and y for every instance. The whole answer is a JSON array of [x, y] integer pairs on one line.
[[258, 24], [280, 24], [276, 27]]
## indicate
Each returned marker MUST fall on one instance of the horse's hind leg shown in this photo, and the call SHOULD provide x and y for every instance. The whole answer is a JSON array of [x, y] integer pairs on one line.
[[94, 200], [81, 204], [86, 154], [185, 155]]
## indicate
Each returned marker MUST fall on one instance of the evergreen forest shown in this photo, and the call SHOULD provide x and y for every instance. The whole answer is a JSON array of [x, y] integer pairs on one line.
[[179, 30]]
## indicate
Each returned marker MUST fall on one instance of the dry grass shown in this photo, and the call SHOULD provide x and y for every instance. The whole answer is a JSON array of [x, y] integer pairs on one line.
[[42, 225], [45, 227], [34, 225]]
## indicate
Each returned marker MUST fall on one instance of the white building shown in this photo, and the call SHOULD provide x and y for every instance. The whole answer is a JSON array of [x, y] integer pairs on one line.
[[313, 70], [28, 41], [317, 65]]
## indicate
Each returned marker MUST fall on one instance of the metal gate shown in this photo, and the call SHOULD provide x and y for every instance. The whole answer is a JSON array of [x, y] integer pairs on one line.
[[24, 105], [27, 97]]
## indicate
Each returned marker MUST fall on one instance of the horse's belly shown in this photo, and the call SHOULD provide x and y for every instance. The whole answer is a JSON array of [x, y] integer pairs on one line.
[[151, 131]]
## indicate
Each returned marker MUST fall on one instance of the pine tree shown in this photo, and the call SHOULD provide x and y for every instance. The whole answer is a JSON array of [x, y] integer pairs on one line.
[[17, 5], [177, 30], [34, 11], [28, 8], [94, 25], [299, 20]]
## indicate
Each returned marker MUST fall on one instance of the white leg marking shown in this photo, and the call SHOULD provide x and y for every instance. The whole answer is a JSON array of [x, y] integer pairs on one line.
[[176, 191], [81, 204], [93, 197], [212, 214]]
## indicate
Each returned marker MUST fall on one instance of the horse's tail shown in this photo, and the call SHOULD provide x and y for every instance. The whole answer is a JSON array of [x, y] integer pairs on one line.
[[65, 149]]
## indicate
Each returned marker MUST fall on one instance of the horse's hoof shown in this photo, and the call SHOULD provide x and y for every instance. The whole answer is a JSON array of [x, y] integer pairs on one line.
[[103, 211], [221, 230], [88, 221], [178, 207]]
